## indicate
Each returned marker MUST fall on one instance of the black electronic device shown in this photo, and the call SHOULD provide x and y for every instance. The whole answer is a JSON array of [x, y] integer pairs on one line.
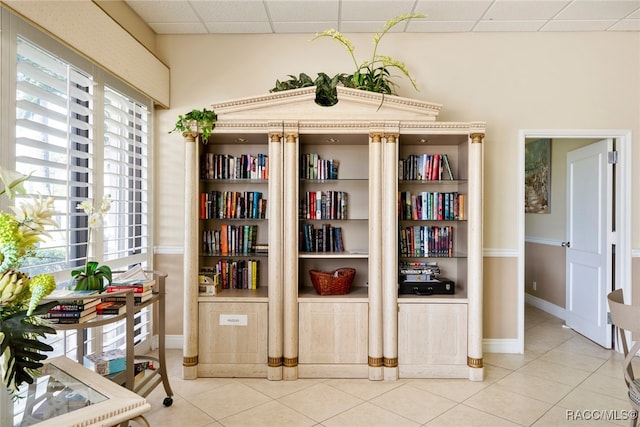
[[428, 287]]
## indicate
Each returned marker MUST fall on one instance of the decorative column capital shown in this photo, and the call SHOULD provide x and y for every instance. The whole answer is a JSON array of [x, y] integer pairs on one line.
[[190, 135], [477, 138], [392, 138]]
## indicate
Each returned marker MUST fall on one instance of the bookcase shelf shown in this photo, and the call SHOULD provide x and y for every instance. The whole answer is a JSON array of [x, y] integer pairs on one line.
[[357, 149]]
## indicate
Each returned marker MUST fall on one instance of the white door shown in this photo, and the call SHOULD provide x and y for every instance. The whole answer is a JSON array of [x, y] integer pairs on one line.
[[589, 249]]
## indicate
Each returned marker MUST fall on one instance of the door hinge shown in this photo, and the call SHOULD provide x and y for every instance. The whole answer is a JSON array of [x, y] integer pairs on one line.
[[612, 157], [609, 318]]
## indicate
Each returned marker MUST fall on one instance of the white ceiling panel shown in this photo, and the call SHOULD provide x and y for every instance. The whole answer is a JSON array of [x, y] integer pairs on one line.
[[163, 11], [440, 26], [524, 10], [303, 11], [515, 26], [312, 16], [598, 9], [557, 25], [179, 28], [453, 10], [372, 10], [230, 10], [239, 27]]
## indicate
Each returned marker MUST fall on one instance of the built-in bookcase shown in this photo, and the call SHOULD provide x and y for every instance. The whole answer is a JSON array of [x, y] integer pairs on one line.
[[333, 199]]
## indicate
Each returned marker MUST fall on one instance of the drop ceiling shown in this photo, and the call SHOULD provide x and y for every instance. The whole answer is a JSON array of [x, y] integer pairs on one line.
[[311, 16]]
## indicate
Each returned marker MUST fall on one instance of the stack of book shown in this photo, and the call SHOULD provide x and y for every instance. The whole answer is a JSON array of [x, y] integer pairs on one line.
[[70, 310], [135, 279], [142, 291]]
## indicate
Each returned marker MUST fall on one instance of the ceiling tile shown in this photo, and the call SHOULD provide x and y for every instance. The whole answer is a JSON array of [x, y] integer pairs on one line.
[[239, 27], [583, 25], [524, 10], [452, 10], [296, 11], [516, 26], [440, 26], [178, 28], [230, 10], [374, 10], [163, 11], [626, 25], [367, 27], [303, 27], [598, 9]]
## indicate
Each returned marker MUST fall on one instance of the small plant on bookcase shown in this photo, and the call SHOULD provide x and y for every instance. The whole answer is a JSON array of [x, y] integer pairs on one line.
[[200, 122]]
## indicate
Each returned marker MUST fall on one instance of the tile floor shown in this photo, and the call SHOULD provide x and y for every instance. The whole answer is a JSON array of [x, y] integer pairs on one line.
[[562, 379]]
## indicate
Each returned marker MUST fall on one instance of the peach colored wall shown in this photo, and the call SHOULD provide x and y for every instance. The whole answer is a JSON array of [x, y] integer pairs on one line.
[[545, 264], [500, 317]]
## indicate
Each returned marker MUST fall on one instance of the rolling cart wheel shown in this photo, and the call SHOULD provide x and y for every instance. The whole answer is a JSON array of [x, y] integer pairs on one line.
[[168, 401]]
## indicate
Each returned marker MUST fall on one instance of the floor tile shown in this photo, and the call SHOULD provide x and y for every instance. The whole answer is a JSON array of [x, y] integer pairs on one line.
[[270, 414], [466, 416], [320, 402], [368, 415], [511, 406], [413, 403]]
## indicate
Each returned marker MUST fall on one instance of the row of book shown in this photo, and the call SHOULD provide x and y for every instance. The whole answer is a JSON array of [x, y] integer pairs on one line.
[[325, 238], [232, 204], [230, 239], [426, 205], [313, 167], [425, 167], [234, 274], [324, 205], [423, 241], [70, 310], [227, 166], [418, 270]]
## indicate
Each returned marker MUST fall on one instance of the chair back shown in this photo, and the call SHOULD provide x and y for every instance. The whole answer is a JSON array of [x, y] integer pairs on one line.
[[624, 316]]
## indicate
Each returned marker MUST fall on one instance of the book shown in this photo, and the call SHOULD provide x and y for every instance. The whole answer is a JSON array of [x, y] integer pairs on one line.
[[72, 295], [70, 313], [137, 286], [137, 298], [111, 308], [71, 320], [76, 305]]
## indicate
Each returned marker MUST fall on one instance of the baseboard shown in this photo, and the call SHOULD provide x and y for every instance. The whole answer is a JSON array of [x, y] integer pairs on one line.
[[545, 306], [174, 341], [507, 345]]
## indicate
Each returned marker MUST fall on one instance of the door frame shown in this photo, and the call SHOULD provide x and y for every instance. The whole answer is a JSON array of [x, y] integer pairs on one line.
[[623, 210]]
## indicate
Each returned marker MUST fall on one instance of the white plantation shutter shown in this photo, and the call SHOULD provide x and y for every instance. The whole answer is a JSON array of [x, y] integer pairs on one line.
[[54, 133], [126, 177]]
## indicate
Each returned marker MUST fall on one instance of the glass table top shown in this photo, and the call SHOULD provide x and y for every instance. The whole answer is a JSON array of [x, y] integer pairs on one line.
[[54, 393]]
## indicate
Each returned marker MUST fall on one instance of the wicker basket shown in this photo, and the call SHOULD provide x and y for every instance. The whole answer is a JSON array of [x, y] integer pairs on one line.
[[336, 282]]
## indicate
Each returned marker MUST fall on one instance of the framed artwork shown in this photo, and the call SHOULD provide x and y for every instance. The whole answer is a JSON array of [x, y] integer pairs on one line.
[[537, 176]]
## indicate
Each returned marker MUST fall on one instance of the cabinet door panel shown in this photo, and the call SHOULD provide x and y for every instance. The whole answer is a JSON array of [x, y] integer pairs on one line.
[[333, 333], [235, 333], [432, 334]]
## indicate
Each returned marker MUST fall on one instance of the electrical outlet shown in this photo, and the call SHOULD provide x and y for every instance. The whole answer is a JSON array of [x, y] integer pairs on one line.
[[535, 286]]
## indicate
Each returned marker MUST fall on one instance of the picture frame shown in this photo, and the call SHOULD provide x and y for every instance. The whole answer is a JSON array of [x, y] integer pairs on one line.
[[537, 176]]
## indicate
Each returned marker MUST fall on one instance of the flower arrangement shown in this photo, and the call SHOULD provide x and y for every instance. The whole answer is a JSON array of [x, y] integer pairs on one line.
[[92, 275], [21, 326], [372, 75]]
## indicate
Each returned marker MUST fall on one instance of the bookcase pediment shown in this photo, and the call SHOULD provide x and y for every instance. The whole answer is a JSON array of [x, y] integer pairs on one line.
[[353, 105]]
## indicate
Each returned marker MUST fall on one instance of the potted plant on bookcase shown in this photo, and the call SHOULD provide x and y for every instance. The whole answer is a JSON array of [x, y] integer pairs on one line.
[[373, 75], [197, 122]]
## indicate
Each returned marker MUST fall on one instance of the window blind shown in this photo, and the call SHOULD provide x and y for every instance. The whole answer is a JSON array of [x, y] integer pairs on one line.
[[54, 133]]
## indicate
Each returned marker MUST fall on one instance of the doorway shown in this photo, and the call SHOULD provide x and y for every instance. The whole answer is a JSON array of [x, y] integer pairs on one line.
[[622, 220]]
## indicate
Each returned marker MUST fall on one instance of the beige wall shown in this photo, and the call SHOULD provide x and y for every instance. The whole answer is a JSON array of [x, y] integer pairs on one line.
[[545, 265], [512, 81]]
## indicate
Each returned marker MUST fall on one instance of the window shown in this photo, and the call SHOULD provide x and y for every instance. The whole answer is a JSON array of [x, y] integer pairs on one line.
[[83, 135]]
